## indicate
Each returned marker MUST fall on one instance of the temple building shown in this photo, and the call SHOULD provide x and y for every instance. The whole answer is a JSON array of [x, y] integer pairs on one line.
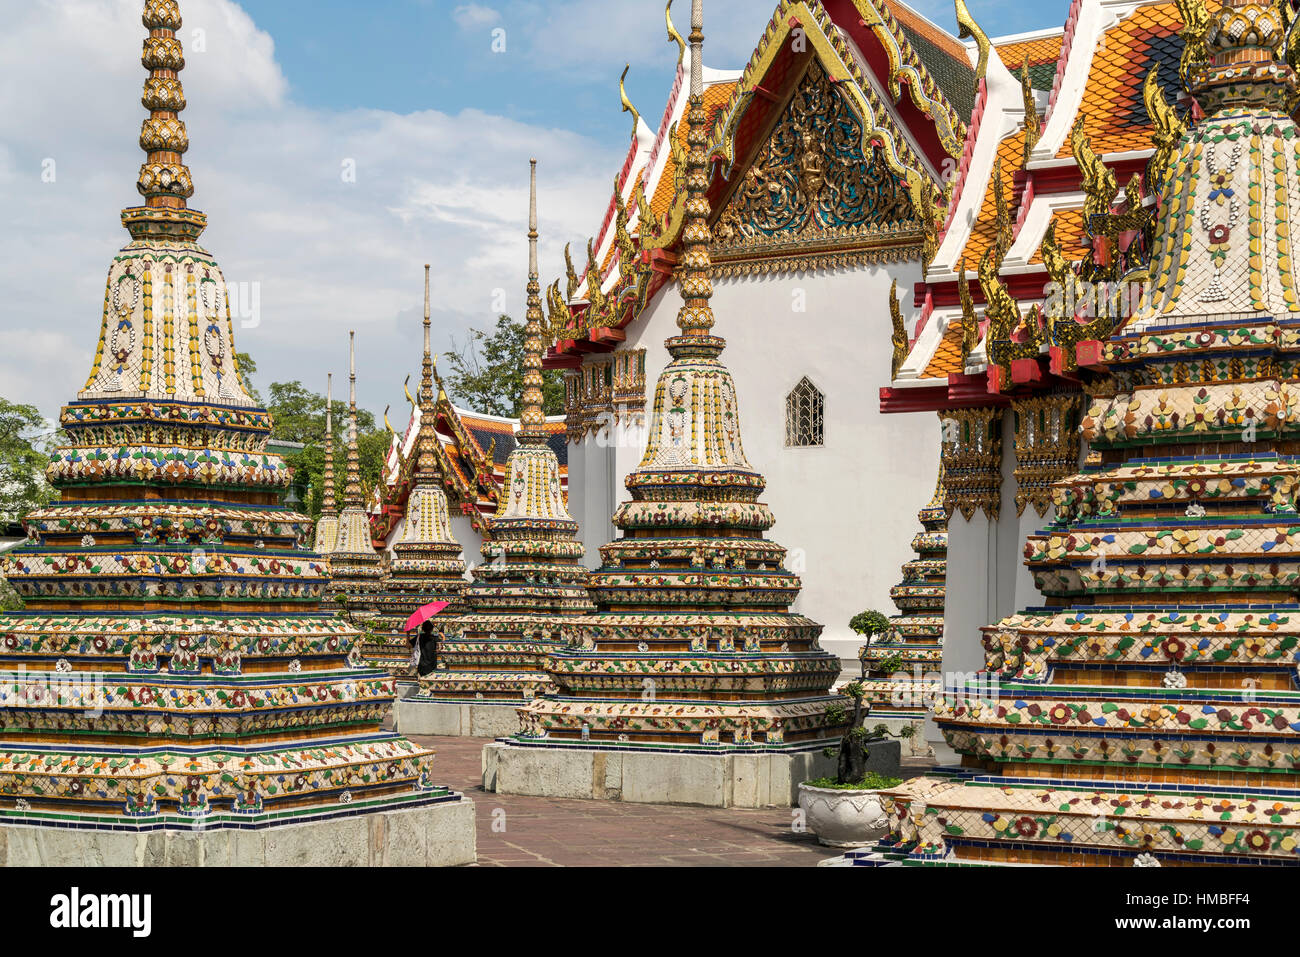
[[531, 581], [427, 564], [1146, 707], [1062, 120], [693, 682], [172, 692], [827, 154]]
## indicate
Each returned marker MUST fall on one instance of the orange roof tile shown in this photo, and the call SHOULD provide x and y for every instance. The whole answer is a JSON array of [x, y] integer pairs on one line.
[[1010, 160], [1069, 234], [1039, 51], [947, 357], [1115, 118]]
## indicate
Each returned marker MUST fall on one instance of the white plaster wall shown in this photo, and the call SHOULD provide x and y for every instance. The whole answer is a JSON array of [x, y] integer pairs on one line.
[[471, 542], [847, 511]]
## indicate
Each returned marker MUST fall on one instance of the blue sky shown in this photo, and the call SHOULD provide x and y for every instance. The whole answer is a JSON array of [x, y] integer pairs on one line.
[[403, 55], [282, 94]]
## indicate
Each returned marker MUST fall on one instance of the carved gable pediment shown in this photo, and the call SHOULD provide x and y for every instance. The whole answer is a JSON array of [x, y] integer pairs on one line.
[[815, 195]]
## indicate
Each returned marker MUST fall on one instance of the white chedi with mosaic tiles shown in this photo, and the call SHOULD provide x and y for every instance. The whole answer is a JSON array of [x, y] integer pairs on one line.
[[1224, 243], [533, 486], [696, 421], [427, 519], [167, 331]]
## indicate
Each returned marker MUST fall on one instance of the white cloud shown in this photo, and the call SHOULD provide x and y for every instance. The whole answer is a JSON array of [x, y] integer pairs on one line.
[[473, 16], [329, 255]]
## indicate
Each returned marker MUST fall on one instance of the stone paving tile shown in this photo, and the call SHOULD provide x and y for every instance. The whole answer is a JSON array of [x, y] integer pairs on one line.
[[545, 832]]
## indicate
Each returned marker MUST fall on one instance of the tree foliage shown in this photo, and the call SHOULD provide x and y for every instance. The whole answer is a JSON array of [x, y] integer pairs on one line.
[[24, 453], [487, 375], [299, 416]]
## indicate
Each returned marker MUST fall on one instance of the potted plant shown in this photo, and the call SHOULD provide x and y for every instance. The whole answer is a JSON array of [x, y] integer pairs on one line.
[[868, 624], [845, 811]]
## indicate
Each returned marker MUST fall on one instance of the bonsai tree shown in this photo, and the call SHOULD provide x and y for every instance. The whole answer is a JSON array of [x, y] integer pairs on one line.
[[869, 624], [852, 766]]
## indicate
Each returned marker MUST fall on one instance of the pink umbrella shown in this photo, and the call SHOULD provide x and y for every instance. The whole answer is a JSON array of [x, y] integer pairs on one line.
[[424, 614]]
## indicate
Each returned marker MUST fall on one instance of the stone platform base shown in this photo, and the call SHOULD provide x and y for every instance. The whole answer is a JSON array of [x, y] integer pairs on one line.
[[431, 835], [458, 719], [736, 779]]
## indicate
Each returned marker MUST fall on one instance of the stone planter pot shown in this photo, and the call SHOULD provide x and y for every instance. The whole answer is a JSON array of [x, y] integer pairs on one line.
[[843, 818]]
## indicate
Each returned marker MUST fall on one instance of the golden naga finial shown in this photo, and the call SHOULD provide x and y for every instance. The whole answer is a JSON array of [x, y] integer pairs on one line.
[[970, 327], [1002, 312], [571, 275], [969, 29], [1168, 131], [1099, 184], [678, 153], [622, 238], [673, 35], [899, 338], [1033, 125], [389, 426], [595, 298], [930, 224], [558, 317], [1005, 234], [627, 104], [644, 226], [406, 387], [1196, 20]]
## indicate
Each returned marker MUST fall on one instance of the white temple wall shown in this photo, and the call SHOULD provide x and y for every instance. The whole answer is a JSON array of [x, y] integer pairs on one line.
[[471, 542], [847, 510]]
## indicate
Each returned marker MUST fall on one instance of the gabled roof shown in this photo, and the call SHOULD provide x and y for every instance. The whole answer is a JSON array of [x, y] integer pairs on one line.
[[471, 453], [902, 73], [1106, 49]]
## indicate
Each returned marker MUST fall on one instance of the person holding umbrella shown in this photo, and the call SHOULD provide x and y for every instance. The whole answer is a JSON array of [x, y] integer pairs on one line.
[[424, 643]]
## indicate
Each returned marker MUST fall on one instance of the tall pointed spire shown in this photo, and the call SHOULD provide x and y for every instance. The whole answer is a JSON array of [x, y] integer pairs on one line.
[[329, 504], [352, 497], [327, 526], [164, 180], [695, 318], [533, 418], [426, 463]]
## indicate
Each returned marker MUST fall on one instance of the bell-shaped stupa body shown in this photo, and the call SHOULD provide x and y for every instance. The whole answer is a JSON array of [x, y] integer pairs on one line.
[[1147, 714], [426, 565], [171, 668], [531, 579], [693, 644]]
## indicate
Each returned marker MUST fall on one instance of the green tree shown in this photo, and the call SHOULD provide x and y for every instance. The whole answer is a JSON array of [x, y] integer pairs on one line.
[[24, 454], [487, 375], [248, 369]]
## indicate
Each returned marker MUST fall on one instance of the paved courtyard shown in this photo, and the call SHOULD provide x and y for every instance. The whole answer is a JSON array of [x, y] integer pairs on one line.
[[517, 831]]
